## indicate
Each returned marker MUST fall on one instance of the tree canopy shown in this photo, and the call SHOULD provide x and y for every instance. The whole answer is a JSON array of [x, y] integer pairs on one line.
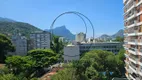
[[43, 57], [5, 47], [119, 39], [95, 65]]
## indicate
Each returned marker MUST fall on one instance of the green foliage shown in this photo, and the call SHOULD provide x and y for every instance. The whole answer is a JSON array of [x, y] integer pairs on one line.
[[4, 70], [11, 28], [120, 63], [66, 74], [101, 59], [19, 64], [27, 67], [57, 46], [5, 47], [43, 58], [91, 73], [119, 39], [11, 76], [8, 77], [94, 65]]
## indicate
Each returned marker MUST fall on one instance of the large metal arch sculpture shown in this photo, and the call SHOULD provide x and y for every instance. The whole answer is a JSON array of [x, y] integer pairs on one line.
[[80, 15]]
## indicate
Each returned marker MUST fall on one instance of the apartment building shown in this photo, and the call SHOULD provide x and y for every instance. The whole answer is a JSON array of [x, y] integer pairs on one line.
[[133, 38], [40, 40], [80, 37], [20, 43]]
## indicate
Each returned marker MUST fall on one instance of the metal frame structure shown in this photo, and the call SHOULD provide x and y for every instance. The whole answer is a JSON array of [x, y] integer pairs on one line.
[[81, 16]]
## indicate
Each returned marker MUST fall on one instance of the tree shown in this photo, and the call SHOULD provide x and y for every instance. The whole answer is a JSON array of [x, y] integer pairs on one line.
[[101, 61], [8, 77], [119, 39], [91, 73], [96, 65], [5, 47], [120, 70], [57, 46], [43, 58], [20, 65], [66, 74]]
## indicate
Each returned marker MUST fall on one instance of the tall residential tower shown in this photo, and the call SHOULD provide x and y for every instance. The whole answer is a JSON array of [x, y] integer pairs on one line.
[[133, 38]]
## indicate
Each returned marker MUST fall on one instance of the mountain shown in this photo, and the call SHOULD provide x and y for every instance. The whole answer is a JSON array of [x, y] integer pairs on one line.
[[119, 33], [104, 36], [10, 28], [64, 32], [6, 20]]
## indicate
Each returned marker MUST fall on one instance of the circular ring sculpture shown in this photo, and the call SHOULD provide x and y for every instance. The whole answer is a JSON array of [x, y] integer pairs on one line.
[[80, 15]]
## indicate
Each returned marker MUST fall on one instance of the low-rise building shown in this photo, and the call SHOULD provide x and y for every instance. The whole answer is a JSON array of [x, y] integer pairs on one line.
[[107, 46], [71, 52], [40, 40], [20, 43]]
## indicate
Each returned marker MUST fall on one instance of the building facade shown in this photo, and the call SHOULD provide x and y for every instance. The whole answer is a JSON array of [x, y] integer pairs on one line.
[[107, 46], [71, 52], [20, 43], [133, 38], [40, 40], [81, 37]]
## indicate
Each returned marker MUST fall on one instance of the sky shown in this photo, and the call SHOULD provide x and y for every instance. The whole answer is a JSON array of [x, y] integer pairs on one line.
[[106, 15]]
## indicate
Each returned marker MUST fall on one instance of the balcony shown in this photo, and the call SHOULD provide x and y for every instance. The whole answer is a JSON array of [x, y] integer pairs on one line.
[[131, 16], [134, 59], [126, 61], [125, 40], [133, 41], [140, 72], [139, 3], [132, 24], [126, 55], [140, 42], [133, 51], [130, 7], [140, 61], [133, 68], [134, 77], [125, 34], [140, 51]]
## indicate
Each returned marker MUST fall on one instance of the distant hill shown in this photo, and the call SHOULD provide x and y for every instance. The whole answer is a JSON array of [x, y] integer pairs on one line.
[[119, 33], [63, 31], [10, 28], [6, 20], [105, 36]]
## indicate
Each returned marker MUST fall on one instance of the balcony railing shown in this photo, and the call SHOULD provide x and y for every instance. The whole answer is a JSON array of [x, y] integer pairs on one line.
[[134, 67], [134, 58], [133, 40]]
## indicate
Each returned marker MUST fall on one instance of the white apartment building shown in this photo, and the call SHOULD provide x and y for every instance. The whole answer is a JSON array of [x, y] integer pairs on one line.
[[81, 37], [71, 52], [40, 40], [20, 43], [62, 39], [107, 46], [133, 38]]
